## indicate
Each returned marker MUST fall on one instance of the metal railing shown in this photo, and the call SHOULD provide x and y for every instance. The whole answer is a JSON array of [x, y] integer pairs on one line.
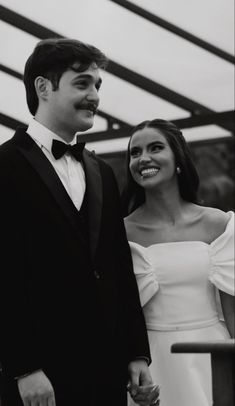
[[222, 364]]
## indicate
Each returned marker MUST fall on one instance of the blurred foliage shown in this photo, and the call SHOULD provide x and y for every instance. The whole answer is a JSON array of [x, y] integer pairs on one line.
[[216, 168]]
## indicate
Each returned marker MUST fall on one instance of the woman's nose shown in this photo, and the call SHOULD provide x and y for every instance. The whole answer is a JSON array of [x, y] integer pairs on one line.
[[145, 157]]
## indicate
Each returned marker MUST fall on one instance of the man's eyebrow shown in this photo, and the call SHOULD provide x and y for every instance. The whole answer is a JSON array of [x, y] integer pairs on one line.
[[87, 76]]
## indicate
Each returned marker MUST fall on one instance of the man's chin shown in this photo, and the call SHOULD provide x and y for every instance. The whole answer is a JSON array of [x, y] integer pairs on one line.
[[86, 125]]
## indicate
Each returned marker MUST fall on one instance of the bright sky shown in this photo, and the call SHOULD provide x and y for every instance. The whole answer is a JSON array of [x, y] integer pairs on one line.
[[138, 45]]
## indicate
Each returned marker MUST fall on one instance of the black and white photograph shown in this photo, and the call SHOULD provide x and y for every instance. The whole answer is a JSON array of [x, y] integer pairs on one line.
[[117, 200]]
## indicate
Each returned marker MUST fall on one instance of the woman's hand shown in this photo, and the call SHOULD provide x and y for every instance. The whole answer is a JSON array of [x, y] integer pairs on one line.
[[145, 395]]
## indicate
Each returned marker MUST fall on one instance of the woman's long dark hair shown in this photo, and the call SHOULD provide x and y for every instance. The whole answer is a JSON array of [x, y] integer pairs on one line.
[[134, 195]]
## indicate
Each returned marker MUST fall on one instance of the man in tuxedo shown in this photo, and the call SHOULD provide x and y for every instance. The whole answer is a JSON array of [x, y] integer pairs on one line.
[[72, 328]]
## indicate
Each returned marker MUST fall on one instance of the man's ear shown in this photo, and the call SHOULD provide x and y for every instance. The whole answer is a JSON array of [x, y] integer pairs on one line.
[[42, 87]]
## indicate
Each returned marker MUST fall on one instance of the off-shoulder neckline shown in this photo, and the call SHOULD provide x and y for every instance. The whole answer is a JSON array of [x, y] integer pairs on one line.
[[231, 214]]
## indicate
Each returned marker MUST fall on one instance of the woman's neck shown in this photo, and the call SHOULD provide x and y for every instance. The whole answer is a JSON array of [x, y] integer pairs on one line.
[[163, 206]]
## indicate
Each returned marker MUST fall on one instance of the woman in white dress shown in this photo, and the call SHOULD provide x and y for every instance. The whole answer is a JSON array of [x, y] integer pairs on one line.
[[183, 253]]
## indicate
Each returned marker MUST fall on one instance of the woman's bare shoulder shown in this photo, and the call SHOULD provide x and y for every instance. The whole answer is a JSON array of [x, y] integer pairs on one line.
[[133, 217], [216, 218], [132, 222]]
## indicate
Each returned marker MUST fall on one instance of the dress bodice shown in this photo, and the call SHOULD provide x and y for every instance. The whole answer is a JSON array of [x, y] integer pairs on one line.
[[177, 280]]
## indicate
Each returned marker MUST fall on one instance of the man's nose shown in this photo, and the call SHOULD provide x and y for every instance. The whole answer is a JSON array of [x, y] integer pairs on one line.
[[93, 95]]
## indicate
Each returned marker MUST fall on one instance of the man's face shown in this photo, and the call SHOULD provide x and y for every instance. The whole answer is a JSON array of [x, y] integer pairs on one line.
[[71, 108]]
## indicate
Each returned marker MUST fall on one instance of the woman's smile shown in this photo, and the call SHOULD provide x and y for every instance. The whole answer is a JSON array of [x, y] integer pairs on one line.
[[149, 172]]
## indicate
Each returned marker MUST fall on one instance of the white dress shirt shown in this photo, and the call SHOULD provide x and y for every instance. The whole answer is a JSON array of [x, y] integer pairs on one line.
[[69, 170]]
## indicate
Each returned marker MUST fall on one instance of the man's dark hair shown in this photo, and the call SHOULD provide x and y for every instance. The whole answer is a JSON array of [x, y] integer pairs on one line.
[[188, 179], [52, 57]]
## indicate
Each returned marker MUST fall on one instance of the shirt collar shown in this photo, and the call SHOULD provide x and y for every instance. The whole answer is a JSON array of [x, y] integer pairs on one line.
[[42, 135]]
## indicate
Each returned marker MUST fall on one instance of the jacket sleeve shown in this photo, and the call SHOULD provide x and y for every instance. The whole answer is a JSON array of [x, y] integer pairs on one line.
[[17, 339], [137, 339]]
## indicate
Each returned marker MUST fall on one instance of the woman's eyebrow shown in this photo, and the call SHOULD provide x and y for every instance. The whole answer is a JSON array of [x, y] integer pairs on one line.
[[135, 147], [148, 145], [155, 142]]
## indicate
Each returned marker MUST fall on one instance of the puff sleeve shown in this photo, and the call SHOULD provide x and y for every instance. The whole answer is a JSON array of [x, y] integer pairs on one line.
[[145, 276], [222, 259]]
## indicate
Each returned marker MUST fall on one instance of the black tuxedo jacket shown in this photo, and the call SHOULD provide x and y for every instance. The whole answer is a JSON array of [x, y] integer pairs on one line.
[[68, 307]]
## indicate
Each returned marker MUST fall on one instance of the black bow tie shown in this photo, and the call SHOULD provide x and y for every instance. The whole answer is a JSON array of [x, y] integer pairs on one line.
[[59, 148]]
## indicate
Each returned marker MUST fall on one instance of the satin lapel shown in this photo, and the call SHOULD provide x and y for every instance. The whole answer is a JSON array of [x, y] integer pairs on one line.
[[45, 170], [94, 194]]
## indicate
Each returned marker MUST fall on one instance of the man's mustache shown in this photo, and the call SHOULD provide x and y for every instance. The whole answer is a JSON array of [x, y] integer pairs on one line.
[[87, 106]]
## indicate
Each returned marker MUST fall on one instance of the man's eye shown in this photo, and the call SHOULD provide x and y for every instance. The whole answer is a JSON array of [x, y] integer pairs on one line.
[[81, 84]]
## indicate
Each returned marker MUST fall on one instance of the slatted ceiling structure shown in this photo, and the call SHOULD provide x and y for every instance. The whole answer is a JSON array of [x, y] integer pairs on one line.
[[173, 60]]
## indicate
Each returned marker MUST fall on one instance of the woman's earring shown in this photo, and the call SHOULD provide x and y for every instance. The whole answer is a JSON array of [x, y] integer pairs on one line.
[[178, 170]]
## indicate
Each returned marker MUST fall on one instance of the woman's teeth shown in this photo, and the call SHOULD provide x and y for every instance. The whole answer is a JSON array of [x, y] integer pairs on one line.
[[149, 172]]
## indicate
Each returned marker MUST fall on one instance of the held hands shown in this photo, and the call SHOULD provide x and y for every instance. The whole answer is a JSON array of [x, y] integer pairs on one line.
[[36, 390], [140, 386]]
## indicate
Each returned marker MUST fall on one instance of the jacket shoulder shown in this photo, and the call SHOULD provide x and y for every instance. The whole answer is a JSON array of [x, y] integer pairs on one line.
[[103, 164]]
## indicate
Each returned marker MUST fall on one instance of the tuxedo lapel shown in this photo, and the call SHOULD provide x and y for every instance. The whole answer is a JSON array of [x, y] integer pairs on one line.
[[45, 170], [48, 175], [94, 197]]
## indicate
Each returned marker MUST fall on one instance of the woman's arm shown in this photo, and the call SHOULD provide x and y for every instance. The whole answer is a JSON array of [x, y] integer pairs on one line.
[[228, 307]]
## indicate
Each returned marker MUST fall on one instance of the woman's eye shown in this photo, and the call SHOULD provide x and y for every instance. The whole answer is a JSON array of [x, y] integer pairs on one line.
[[134, 152], [156, 148]]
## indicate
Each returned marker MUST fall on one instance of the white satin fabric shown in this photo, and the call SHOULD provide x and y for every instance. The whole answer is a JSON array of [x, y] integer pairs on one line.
[[177, 283]]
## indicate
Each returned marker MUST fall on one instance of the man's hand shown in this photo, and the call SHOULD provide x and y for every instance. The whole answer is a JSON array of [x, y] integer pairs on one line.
[[139, 377], [36, 390]]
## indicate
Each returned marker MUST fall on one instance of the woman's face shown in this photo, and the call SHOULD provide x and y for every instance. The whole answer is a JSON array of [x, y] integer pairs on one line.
[[152, 161]]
